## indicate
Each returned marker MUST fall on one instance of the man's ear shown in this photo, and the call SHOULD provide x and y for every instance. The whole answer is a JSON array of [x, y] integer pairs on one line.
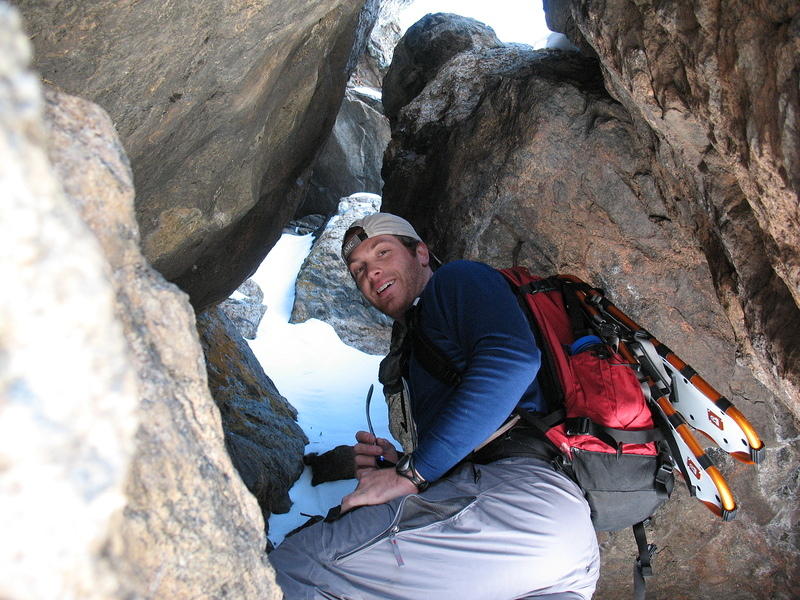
[[423, 254]]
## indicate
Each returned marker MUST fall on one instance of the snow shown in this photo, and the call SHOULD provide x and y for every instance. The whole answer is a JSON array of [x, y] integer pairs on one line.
[[323, 378], [368, 91]]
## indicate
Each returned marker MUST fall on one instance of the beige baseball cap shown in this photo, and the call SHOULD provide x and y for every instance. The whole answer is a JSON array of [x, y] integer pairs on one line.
[[373, 225]]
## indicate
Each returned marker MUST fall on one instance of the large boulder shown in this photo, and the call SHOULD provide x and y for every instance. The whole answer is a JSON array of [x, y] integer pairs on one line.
[[718, 86], [261, 431], [514, 156], [115, 478], [221, 108], [325, 290]]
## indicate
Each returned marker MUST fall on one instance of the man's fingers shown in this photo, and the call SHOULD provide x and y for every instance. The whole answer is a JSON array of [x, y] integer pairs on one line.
[[368, 449], [365, 437]]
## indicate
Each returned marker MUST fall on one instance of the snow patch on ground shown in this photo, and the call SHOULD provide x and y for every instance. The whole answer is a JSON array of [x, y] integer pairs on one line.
[[324, 379]]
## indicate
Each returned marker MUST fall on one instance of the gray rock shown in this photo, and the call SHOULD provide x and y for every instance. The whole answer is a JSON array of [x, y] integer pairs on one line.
[[261, 433], [373, 64], [221, 107], [245, 313], [386, 32], [351, 159], [111, 445], [513, 156], [325, 290], [313, 224], [559, 18]]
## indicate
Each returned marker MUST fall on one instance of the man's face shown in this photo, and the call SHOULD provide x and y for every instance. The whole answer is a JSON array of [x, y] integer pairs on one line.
[[388, 275]]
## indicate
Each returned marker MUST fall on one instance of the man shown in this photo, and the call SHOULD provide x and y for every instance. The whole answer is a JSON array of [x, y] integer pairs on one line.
[[447, 522]]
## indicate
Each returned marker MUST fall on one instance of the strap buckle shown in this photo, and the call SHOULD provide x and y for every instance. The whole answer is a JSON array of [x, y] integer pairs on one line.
[[538, 286], [579, 426], [664, 473], [643, 566]]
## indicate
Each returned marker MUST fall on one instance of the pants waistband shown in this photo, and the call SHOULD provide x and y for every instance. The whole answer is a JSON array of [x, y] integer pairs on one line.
[[522, 440]]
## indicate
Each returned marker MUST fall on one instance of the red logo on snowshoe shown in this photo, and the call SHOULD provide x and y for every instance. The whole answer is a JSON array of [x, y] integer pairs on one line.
[[715, 419], [693, 468]]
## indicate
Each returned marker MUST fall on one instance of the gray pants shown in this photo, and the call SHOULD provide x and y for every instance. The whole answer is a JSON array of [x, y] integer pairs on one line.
[[512, 529]]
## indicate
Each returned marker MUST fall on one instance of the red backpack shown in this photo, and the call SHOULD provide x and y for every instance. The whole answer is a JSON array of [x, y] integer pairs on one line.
[[618, 398], [600, 422]]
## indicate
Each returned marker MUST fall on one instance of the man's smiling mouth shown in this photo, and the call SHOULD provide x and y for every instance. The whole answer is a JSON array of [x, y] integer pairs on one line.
[[383, 288]]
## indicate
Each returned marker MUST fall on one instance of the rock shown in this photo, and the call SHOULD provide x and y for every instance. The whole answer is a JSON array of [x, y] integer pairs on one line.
[[246, 311], [375, 61], [313, 224], [221, 108], [386, 32], [68, 384], [325, 290], [351, 159], [559, 18], [718, 86], [261, 431], [425, 47], [514, 156], [111, 446]]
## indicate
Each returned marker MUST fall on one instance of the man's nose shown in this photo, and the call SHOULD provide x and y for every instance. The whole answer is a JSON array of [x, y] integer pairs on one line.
[[374, 271]]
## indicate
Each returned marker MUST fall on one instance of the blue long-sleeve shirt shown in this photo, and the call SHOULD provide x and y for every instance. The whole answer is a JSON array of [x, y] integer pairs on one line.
[[469, 312]]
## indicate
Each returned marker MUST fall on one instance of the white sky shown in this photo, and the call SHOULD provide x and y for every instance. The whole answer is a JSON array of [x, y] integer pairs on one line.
[[512, 20], [323, 378]]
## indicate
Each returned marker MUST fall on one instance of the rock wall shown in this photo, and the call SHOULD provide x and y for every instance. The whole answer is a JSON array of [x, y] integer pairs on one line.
[[420, 53], [221, 106], [718, 84], [514, 156], [115, 478]]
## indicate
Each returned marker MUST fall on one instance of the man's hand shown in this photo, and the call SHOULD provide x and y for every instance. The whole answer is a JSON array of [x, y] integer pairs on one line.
[[368, 449], [376, 487]]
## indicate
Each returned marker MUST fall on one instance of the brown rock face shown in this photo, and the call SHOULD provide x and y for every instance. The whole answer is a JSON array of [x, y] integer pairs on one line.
[[221, 107], [718, 84], [513, 156]]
